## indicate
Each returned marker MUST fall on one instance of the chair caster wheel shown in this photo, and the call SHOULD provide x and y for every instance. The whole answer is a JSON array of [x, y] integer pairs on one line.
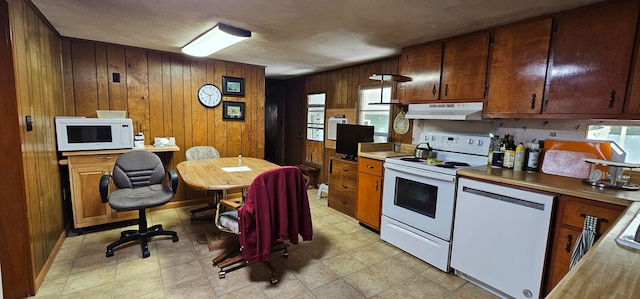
[[109, 253], [285, 253], [274, 279], [221, 274], [145, 253], [174, 239]]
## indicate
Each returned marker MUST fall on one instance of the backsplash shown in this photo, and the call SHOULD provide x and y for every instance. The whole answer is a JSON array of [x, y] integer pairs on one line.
[[523, 130]]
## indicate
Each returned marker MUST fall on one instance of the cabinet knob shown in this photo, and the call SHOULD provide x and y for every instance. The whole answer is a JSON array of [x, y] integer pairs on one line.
[[446, 89], [434, 90], [370, 167], [376, 185], [533, 101], [612, 98], [569, 239]]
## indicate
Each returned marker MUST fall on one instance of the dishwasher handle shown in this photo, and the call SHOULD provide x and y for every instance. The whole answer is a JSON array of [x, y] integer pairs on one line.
[[504, 198]]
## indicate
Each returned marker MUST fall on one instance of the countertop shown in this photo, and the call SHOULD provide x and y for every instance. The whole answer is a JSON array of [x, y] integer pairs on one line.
[[607, 270]]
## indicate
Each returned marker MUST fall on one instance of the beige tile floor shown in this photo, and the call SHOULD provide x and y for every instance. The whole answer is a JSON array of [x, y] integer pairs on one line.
[[344, 260]]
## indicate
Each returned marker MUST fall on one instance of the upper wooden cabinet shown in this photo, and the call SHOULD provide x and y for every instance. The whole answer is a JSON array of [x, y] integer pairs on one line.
[[519, 56], [591, 52], [464, 67], [422, 63]]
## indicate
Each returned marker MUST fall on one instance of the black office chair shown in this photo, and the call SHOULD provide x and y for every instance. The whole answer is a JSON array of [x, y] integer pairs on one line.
[[204, 152], [139, 175]]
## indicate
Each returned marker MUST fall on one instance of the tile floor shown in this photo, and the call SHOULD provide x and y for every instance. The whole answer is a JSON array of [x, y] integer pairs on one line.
[[344, 260]]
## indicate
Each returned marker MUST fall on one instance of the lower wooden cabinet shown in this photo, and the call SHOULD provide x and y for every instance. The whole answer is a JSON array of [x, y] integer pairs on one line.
[[343, 185], [568, 224], [369, 203], [85, 173]]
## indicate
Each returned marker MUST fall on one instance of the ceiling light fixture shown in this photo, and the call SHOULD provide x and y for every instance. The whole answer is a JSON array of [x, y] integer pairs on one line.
[[214, 40]]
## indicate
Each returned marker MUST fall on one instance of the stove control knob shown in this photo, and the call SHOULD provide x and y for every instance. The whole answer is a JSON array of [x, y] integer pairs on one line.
[[433, 138], [470, 141], [480, 143]]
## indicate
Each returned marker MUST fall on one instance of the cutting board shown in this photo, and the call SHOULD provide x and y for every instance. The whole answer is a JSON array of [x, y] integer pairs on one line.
[[567, 163]]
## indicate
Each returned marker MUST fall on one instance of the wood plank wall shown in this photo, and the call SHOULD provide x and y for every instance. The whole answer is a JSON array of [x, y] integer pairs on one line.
[[159, 92], [342, 89], [38, 75]]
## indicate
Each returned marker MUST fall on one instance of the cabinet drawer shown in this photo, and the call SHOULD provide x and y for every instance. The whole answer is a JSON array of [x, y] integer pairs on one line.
[[574, 211], [342, 202], [94, 158], [344, 171], [371, 166]]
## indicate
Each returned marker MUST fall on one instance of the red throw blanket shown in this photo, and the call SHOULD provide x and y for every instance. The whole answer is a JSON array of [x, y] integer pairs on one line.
[[276, 207]]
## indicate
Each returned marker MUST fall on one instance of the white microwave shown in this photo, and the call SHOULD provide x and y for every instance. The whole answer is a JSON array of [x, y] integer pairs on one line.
[[82, 134]]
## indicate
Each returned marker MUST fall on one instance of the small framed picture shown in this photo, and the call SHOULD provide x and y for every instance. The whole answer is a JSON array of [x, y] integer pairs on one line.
[[232, 110], [232, 86]]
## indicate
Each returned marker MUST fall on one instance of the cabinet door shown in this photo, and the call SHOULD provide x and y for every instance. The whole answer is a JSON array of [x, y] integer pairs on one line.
[[464, 67], [591, 56], [563, 242], [369, 201], [518, 68], [87, 204], [422, 63]]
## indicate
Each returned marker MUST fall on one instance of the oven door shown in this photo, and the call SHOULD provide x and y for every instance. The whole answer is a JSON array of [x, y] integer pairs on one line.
[[421, 199]]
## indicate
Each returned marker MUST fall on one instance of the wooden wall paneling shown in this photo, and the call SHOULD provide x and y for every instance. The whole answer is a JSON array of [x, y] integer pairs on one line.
[[198, 111], [177, 111], [234, 128], [156, 113], [210, 122], [219, 126], [137, 90], [116, 63], [102, 81], [67, 75], [14, 228], [187, 100], [84, 75], [167, 119]]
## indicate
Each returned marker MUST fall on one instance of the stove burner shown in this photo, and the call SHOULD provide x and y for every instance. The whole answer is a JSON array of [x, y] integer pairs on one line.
[[411, 159], [446, 165], [453, 163]]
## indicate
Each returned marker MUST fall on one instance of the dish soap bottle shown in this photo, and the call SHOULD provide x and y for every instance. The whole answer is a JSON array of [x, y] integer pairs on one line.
[[518, 163], [509, 151]]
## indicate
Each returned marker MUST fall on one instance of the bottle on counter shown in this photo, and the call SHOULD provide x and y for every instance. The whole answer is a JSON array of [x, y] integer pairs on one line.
[[533, 157], [138, 140], [509, 151], [494, 146], [519, 162]]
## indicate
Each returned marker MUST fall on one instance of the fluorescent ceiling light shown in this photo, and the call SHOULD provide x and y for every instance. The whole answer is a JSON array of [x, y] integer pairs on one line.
[[214, 40]]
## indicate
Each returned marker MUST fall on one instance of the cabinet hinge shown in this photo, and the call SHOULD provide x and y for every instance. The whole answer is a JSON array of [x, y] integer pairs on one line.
[[491, 40], [554, 27]]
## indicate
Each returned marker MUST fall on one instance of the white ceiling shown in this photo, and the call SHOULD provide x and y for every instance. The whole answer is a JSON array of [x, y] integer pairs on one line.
[[290, 37]]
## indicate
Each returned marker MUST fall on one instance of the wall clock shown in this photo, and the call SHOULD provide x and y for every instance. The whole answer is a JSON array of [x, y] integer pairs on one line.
[[209, 95]]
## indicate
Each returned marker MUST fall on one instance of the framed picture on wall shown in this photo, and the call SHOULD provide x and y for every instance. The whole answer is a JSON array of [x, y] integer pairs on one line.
[[232, 110], [232, 86]]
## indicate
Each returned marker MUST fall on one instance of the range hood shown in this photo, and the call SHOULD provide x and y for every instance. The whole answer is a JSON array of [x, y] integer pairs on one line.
[[446, 111]]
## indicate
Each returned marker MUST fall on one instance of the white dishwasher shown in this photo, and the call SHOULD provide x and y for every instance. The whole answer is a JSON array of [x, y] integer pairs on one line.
[[500, 237]]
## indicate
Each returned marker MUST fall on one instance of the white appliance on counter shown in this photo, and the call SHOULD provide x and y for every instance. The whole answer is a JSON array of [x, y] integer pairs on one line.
[[418, 196], [85, 134], [500, 237]]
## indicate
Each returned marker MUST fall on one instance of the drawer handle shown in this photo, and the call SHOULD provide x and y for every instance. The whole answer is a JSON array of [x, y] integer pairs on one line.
[[370, 167], [106, 158], [376, 186], [345, 170], [569, 239], [603, 220], [343, 186], [344, 202]]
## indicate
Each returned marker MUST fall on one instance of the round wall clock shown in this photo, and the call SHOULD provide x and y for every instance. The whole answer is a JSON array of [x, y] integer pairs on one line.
[[209, 95]]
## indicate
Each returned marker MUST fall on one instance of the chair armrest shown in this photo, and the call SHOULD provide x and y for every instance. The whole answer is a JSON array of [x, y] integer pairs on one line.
[[230, 203], [104, 188], [173, 180]]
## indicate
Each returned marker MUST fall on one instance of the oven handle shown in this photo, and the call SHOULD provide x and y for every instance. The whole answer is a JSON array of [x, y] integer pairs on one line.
[[425, 174]]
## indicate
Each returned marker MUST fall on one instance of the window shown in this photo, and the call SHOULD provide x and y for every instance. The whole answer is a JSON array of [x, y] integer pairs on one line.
[[315, 116], [628, 137], [375, 115]]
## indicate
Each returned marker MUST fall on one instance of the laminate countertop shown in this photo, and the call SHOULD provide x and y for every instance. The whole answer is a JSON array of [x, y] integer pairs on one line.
[[607, 270]]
